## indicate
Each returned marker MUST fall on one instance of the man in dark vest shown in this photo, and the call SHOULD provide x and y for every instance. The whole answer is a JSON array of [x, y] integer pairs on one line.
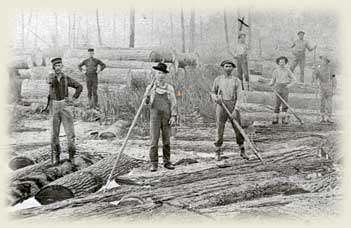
[[93, 66], [60, 111]]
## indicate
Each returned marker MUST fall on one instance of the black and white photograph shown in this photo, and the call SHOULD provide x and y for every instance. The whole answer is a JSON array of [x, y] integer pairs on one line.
[[175, 112]]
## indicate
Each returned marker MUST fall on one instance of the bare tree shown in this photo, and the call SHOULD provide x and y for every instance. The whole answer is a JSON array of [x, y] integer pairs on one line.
[[114, 29], [171, 24], [98, 27], [36, 29], [132, 27], [226, 30], [69, 30], [183, 29], [192, 31], [23, 31]]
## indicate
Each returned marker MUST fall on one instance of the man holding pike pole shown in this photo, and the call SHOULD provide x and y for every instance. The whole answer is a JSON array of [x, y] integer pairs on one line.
[[226, 89]]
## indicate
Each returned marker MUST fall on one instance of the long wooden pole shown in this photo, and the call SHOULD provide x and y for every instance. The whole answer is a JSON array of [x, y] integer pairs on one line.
[[286, 103], [128, 134], [237, 125]]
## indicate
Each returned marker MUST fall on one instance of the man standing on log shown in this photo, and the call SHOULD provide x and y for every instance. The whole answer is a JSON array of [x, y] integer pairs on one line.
[[327, 83], [93, 67], [227, 87], [240, 54], [299, 49], [282, 80], [58, 90], [163, 115]]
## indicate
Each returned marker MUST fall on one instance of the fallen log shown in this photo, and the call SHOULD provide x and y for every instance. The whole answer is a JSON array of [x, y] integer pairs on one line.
[[121, 64], [122, 76], [42, 154], [199, 186], [86, 181], [27, 182]]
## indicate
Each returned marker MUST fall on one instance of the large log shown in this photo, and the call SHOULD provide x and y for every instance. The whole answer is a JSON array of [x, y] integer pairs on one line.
[[88, 180], [201, 186], [26, 182], [123, 64]]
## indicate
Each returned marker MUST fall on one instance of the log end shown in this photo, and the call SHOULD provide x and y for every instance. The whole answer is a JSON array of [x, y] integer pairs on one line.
[[20, 162], [53, 193]]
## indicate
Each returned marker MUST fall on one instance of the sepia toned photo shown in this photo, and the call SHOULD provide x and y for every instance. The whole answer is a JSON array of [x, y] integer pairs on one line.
[[132, 114]]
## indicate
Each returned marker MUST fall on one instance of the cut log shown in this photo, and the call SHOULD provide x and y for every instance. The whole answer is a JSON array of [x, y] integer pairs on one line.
[[201, 185], [88, 180], [20, 62], [123, 64], [26, 182], [117, 129], [187, 59], [122, 76]]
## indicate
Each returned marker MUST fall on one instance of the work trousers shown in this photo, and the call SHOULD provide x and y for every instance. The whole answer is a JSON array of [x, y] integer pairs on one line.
[[92, 86], [326, 102], [221, 119], [299, 60], [62, 114], [243, 69], [284, 93]]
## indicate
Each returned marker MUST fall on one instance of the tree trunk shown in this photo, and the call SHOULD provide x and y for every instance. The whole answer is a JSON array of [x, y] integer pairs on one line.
[[28, 181], [69, 31], [36, 29], [114, 29], [250, 29], [226, 30], [23, 30], [192, 31], [56, 30], [171, 24], [98, 27], [88, 180], [203, 186], [183, 29], [132, 28]]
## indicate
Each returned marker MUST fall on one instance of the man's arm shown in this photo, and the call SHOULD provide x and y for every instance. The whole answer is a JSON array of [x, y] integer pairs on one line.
[[293, 45], [292, 78], [81, 65], [173, 100], [239, 96], [74, 84], [272, 82], [214, 90], [102, 65]]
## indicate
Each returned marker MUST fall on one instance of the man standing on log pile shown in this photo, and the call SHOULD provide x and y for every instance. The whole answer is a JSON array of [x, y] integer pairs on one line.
[[93, 67], [58, 90], [299, 49], [163, 115], [282, 80], [228, 88], [327, 85], [240, 54]]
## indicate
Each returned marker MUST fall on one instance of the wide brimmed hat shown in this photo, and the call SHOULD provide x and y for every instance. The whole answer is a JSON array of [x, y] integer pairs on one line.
[[282, 57], [56, 60], [241, 34], [301, 32], [324, 57], [161, 67], [91, 50], [227, 62]]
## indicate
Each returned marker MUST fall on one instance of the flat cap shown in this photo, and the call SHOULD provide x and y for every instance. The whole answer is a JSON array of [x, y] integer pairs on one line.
[[227, 62], [56, 60], [91, 50]]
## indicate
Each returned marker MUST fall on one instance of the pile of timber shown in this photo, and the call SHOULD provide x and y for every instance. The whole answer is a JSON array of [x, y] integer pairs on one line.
[[200, 187]]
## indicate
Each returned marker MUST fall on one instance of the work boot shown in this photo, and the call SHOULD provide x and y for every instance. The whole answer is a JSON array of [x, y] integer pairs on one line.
[[276, 118], [71, 153], [168, 165], [284, 118], [218, 152], [154, 166], [56, 155], [243, 153]]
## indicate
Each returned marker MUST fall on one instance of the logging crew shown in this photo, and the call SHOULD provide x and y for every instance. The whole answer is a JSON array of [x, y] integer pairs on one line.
[[299, 54], [327, 85], [240, 54], [58, 90], [163, 115], [282, 80], [228, 88], [93, 67]]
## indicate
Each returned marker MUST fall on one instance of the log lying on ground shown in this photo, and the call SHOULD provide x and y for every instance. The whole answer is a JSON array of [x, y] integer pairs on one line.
[[122, 64], [27, 182], [122, 76], [200, 186], [187, 59], [88, 180], [22, 62], [42, 154]]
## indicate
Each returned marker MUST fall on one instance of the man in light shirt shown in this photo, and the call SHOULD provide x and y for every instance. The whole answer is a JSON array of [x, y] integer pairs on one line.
[[227, 87], [282, 80], [299, 52]]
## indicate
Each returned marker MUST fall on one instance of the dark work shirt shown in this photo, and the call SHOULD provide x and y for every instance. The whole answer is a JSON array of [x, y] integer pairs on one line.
[[91, 64], [59, 88]]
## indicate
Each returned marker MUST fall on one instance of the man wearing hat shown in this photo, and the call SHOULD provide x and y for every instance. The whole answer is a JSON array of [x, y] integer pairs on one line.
[[327, 85], [299, 54], [93, 67], [282, 80], [163, 114], [59, 97], [228, 88]]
